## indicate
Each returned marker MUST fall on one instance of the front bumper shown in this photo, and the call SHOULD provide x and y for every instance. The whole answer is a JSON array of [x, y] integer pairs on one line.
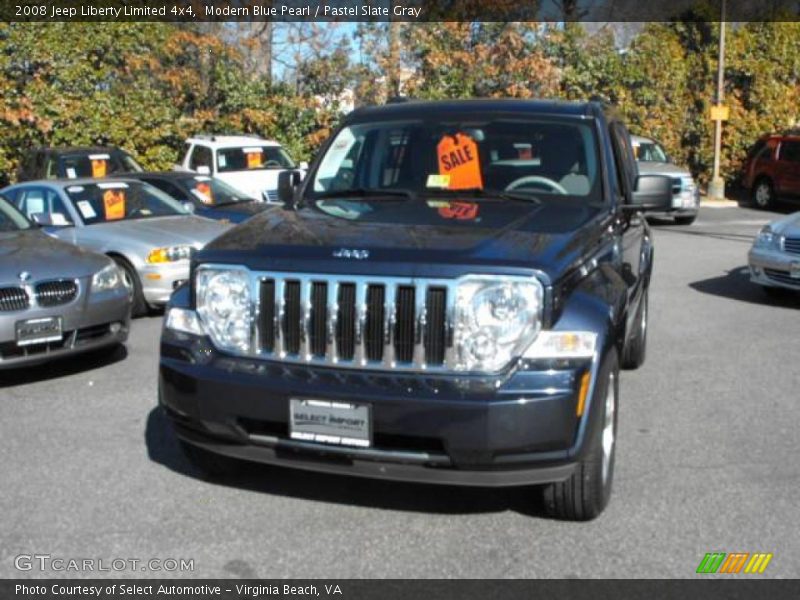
[[518, 428], [91, 321], [774, 268], [159, 281]]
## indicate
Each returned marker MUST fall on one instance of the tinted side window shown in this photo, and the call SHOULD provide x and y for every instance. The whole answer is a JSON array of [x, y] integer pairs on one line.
[[168, 188], [201, 157], [790, 151], [624, 158], [38, 200]]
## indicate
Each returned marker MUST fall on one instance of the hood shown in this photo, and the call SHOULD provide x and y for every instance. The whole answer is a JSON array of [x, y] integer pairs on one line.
[[252, 183], [163, 231], [232, 213], [662, 168], [788, 225], [415, 237], [44, 257]]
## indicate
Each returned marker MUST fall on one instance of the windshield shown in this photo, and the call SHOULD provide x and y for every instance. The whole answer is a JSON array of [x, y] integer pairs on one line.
[[99, 164], [10, 218], [650, 152], [539, 158], [208, 191], [121, 201], [253, 158]]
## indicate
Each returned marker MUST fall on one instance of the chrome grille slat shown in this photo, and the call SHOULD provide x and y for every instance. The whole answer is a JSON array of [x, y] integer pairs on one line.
[[351, 321], [280, 304], [304, 329], [360, 356], [389, 315], [333, 318], [420, 318]]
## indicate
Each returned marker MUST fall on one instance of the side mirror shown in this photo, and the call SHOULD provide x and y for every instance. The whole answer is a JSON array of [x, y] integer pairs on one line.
[[189, 207], [653, 193], [287, 187], [203, 170]]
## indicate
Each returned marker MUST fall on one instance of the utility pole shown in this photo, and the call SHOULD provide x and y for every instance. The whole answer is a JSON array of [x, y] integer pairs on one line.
[[716, 188]]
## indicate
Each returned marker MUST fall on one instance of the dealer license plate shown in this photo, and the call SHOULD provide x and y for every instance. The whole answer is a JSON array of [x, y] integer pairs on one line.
[[39, 331], [327, 422]]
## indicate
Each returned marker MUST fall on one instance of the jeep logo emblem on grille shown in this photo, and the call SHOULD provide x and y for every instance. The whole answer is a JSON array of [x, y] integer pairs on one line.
[[351, 253]]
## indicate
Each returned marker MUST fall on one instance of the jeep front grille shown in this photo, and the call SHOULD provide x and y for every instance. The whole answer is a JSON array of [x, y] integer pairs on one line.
[[366, 322]]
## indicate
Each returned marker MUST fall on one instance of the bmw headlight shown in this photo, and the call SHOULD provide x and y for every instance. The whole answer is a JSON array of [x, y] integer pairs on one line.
[[107, 279], [767, 238], [223, 305], [496, 319]]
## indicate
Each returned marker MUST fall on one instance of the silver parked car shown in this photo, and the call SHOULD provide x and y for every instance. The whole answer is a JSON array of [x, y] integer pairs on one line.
[[775, 256], [148, 234], [55, 298], [654, 160]]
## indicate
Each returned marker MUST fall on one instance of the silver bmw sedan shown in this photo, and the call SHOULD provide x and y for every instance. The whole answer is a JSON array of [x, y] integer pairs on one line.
[[56, 299]]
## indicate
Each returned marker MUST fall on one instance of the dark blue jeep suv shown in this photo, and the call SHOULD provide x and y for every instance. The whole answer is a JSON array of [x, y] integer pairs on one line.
[[447, 297]]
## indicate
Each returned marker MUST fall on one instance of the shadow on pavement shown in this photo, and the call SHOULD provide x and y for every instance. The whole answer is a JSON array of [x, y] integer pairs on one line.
[[163, 448], [64, 367], [736, 285]]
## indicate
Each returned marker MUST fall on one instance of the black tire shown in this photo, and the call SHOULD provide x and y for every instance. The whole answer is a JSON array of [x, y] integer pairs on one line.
[[635, 351], [763, 194], [212, 466], [685, 220], [138, 303], [585, 494]]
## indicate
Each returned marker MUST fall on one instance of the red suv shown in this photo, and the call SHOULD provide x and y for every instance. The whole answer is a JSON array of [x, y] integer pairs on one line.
[[772, 169]]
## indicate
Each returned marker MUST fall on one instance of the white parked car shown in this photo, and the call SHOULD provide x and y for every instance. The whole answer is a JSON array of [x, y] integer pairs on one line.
[[249, 164]]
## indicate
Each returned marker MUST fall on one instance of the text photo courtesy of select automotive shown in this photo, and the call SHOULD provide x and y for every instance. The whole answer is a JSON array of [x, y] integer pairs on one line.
[[440, 324]]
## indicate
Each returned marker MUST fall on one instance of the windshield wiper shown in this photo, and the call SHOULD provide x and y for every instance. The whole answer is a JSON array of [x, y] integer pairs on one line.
[[363, 192], [484, 193]]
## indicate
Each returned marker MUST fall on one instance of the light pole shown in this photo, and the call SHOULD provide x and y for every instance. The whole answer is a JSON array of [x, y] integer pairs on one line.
[[716, 188]]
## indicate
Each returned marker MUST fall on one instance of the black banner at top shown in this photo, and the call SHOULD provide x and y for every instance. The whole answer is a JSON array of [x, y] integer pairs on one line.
[[397, 10]]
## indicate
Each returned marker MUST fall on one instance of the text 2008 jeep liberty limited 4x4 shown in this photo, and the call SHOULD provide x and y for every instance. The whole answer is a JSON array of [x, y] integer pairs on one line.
[[447, 297]]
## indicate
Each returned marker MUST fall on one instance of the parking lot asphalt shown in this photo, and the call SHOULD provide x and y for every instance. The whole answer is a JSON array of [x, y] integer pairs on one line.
[[706, 461]]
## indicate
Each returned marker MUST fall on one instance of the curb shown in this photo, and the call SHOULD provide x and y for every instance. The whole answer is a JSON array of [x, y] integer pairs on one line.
[[708, 202]]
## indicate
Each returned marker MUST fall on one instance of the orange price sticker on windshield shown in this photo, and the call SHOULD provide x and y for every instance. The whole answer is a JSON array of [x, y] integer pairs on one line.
[[458, 158], [99, 167], [204, 189], [114, 204], [254, 160]]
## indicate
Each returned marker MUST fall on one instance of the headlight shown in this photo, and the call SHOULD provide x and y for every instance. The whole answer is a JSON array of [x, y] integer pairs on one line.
[[496, 319], [107, 279], [223, 305], [170, 254], [767, 238]]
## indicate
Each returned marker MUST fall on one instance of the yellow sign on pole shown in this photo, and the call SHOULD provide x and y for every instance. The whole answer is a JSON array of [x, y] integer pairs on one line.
[[720, 112]]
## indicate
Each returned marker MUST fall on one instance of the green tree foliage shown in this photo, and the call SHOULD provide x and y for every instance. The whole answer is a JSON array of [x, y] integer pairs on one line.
[[144, 87]]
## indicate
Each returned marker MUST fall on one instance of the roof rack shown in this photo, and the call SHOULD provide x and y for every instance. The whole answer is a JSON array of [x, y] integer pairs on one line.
[[213, 136]]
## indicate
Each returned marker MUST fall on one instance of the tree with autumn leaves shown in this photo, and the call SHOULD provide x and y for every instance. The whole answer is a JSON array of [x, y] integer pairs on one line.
[[146, 87]]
